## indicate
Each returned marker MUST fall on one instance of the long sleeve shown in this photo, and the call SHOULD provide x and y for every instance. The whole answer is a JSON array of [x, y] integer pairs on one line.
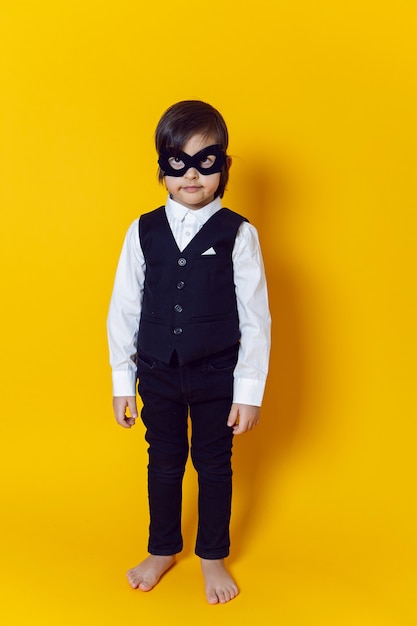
[[254, 318], [124, 314]]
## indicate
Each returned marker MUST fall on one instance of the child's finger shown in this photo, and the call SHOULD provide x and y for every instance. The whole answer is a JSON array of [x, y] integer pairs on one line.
[[233, 418], [131, 405], [122, 421]]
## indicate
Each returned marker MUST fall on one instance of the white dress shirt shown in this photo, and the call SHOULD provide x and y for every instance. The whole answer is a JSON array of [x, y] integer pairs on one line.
[[251, 295]]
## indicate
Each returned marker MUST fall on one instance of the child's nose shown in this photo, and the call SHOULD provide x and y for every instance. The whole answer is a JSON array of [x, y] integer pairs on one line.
[[191, 173]]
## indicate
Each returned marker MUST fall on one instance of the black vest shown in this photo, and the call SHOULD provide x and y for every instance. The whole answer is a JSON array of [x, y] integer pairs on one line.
[[189, 301]]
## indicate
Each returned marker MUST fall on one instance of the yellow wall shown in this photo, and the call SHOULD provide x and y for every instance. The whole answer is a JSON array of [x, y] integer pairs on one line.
[[320, 99]]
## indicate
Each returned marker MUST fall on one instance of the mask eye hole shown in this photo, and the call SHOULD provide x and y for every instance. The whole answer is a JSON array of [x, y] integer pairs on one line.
[[208, 161], [176, 163]]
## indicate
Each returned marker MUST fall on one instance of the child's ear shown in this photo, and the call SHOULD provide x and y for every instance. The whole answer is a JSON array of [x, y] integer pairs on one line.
[[229, 161]]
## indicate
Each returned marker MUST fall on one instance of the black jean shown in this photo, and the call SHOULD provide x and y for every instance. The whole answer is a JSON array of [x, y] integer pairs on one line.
[[203, 391]]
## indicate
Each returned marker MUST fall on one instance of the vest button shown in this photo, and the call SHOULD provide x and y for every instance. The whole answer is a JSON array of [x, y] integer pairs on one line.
[[178, 308], [182, 262], [177, 331], [181, 284]]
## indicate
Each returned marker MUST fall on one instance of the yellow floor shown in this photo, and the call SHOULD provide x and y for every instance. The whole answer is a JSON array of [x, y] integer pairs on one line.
[[73, 523]]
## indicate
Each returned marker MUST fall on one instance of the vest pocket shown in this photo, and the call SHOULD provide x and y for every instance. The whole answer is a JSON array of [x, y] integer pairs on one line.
[[221, 317], [145, 361], [154, 319]]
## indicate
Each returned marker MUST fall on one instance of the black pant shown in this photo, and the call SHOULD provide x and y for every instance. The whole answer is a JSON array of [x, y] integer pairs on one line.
[[202, 389]]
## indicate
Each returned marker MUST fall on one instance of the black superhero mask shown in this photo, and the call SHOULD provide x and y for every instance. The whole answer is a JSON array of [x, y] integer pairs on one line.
[[207, 161]]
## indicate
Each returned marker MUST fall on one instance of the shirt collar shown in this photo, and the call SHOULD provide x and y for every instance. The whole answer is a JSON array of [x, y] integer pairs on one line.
[[178, 211]]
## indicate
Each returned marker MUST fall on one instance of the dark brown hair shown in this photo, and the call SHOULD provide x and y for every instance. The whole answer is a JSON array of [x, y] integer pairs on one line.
[[185, 119]]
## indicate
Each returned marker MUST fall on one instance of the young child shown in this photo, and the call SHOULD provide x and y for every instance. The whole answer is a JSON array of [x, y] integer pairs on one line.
[[189, 320]]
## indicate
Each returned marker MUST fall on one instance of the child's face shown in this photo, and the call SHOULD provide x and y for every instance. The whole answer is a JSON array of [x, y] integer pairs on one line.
[[192, 189]]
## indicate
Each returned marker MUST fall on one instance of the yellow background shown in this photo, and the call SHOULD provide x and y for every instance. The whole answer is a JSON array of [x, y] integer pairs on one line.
[[320, 100]]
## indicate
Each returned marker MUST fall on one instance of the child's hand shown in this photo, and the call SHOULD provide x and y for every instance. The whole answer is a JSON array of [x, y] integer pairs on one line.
[[120, 404], [243, 417]]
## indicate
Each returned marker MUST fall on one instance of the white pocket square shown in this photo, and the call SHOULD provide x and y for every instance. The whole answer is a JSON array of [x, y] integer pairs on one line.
[[209, 251]]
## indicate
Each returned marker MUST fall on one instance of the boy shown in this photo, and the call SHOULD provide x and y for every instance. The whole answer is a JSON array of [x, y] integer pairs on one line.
[[189, 319]]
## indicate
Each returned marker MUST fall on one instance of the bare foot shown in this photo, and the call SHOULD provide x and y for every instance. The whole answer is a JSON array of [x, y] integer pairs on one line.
[[146, 575], [220, 586]]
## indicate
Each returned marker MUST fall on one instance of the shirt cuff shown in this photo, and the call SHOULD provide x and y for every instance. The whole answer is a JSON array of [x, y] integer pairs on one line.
[[248, 391], [124, 383]]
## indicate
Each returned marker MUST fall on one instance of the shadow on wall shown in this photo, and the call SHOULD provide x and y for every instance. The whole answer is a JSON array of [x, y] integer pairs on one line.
[[259, 455]]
